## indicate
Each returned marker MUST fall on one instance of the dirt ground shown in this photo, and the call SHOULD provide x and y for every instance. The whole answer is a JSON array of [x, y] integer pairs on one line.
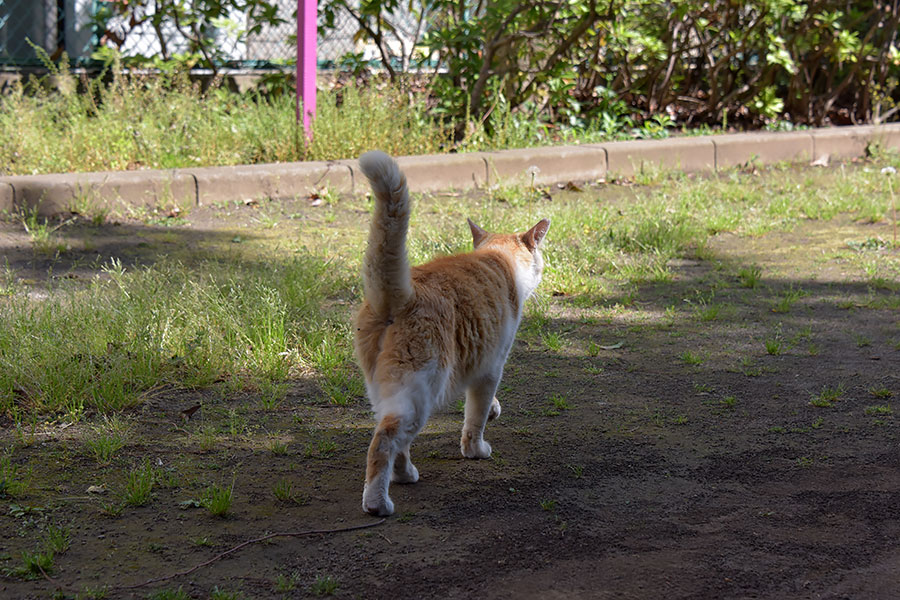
[[681, 458]]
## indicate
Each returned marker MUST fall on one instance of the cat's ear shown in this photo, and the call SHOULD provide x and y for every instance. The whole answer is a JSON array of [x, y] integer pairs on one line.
[[478, 234], [534, 236]]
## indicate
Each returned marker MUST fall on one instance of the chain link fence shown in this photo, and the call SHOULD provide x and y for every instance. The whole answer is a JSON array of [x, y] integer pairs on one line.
[[79, 28]]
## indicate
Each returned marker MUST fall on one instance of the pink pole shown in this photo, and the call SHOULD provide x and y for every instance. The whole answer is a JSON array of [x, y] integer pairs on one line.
[[306, 63]]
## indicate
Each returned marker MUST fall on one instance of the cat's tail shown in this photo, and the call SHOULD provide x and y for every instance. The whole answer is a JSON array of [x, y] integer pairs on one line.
[[386, 276]]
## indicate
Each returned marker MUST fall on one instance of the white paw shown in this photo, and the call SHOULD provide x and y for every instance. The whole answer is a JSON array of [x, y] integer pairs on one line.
[[474, 448], [408, 475], [378, 504], [495, 410]]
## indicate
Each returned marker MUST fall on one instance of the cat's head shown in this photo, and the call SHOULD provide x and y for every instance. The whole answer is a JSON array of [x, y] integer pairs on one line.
[[523, 248]]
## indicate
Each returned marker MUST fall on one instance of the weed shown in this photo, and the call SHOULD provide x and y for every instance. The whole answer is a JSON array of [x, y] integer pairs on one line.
[[57, 539], [35, 565], [880, 409], [881, 392], [108, 439], [787, 300], [548, 505], [559, 402], [278, 448], [679, 420], [862, 341], [774, 346], [169, 594], [749, 277], [139, 484], [324, 585], [286, 583], [805, 461], [217, 500], [12, 483], [729, 402], [577, 470], [709, 312], [828, 396], [284, 491], [552, 340], [219, 594], [691, 358]]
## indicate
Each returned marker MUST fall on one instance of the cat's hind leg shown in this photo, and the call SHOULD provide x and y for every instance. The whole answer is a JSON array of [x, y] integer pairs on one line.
[[495, 409], [480, 402], [404, 470], [388, 457]]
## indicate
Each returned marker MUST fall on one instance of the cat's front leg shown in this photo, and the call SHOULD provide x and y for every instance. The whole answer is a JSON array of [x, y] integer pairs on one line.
[[480, 402]]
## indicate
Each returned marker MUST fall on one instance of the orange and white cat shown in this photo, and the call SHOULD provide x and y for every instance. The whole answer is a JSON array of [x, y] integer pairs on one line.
[[426, 334]]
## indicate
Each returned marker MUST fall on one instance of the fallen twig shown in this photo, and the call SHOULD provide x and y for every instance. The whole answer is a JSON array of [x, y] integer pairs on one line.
[[242, 545]]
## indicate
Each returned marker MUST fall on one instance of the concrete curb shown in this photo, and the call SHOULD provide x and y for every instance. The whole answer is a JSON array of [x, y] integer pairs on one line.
[[550, 164], [433, 172], [131, 190], [686, 154], [276, 180]]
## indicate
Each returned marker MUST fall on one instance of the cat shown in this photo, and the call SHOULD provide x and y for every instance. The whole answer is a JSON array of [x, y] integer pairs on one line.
[[426, 334]]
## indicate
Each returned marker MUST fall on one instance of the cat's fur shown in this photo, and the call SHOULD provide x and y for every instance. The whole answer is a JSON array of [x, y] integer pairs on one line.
[[426, 334]]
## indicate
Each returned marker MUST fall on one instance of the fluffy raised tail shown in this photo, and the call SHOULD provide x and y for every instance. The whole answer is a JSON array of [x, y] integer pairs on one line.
[[386, 277]]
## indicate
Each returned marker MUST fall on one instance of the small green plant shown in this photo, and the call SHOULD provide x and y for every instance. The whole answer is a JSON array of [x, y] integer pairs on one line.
[[774, 346], [107, 439], [287, 583], [729, 402], [749, 277], [881, 392], [35, 565], [57, 539], [548, 505], [219, 594], [217, 500], [679, 419], [787, 300], [559, 402], [577, 470], [805, 461], [284, 491], [862, 341], [709, 312], [139, 484], [828, 396], [880, 409], [12, 483], [552, 340], [324, 585], [278, 448], [691, 358], [169, 594]]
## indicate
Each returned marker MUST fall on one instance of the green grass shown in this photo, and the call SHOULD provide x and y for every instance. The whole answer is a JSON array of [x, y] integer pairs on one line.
[[692, 358], [139, 484], [105, 347], [217, 500], [138, 121], [107, 439], [324, 585], [828, 396], [13, 479]]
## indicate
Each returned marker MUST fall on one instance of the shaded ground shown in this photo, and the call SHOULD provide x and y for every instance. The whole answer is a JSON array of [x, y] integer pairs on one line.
[[668, 444]]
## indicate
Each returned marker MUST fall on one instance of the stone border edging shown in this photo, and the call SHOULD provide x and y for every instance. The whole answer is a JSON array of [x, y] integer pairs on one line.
[[186, 187]]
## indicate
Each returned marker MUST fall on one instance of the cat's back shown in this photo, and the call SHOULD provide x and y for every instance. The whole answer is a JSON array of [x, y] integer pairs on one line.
[[480, 282]]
